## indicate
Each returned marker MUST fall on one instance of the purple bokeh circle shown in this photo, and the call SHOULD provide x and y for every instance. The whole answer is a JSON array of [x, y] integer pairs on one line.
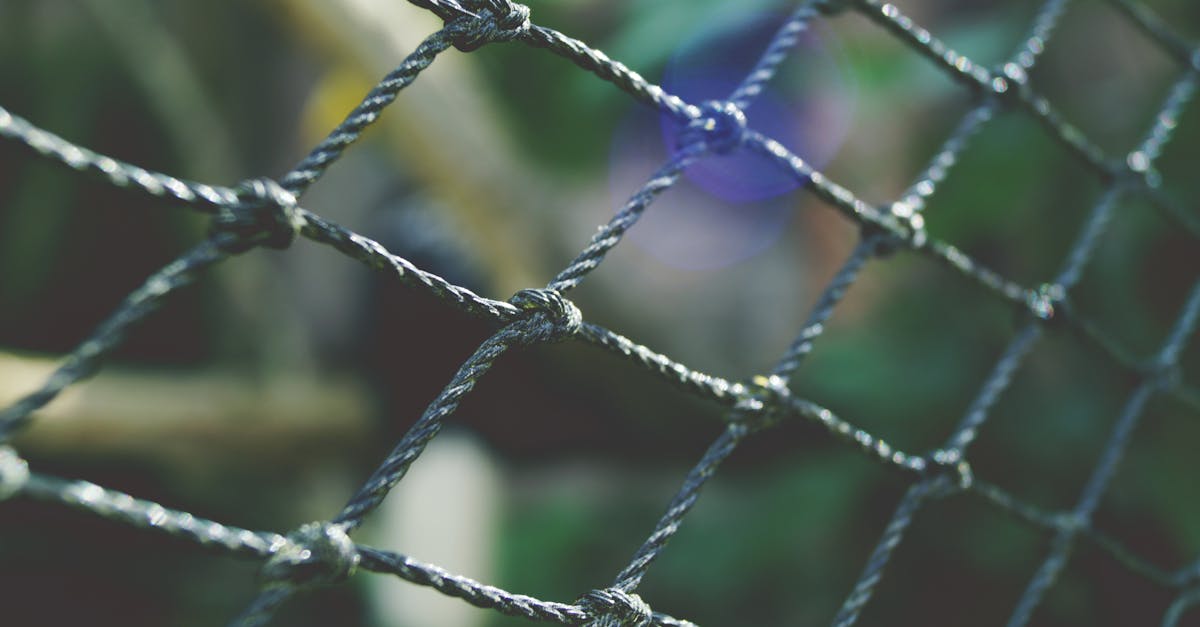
[[730, 207]]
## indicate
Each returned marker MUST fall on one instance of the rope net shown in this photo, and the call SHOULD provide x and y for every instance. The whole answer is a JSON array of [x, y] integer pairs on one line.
[[267, 213]]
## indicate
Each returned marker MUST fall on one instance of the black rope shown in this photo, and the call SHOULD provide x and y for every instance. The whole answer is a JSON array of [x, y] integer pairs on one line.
[[264, 213]]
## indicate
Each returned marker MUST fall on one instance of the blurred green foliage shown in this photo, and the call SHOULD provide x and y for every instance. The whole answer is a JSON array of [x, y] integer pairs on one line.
[[781, 534]]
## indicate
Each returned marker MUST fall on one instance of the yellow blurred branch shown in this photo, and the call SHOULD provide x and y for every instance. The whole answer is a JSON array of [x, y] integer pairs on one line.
[[445, 129], [185, 417]]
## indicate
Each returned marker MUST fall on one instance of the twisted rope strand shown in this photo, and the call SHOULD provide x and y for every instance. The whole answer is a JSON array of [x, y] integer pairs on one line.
[[778, 51], [1114, 450], [305, 173], [264, 213], [203, 197], [83, 362]]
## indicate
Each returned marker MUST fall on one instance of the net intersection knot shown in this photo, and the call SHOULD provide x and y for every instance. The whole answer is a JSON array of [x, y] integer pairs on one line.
[[265, 214], [316, 553], [1010, 83], [479, 22], [1188, 575], [613, 607], [554, 317], [1138, 169], [721, 125], [1047, 302], [14, 472], [1164, 374], [949, 469], [764, 402], [906, 215]]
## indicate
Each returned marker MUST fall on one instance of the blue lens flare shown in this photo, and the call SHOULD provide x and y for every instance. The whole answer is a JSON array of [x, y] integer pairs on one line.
[[730, 207]]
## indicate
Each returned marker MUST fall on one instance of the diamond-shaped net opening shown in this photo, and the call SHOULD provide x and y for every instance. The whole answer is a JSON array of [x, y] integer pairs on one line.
[[1007, 317]]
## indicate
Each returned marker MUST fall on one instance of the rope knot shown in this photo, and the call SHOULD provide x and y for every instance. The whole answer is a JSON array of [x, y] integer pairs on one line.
[[14, 472], [496, 20], [560, 318], [763, 402], [1070, 520], [909, 215], [949, 465], [265, 214], [613, 607], [1047, 302], [316, 553], [906, 214], [1163, 374], [721, 126], [1140, 166]]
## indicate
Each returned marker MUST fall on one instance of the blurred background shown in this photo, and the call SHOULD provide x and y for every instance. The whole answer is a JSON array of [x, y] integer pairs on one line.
[[262, 396]]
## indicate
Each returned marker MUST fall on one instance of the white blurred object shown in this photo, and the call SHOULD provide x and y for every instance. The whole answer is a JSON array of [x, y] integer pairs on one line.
[[445, 511]]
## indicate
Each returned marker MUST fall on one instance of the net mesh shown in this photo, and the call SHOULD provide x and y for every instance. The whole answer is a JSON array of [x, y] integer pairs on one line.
[[266, 212]]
